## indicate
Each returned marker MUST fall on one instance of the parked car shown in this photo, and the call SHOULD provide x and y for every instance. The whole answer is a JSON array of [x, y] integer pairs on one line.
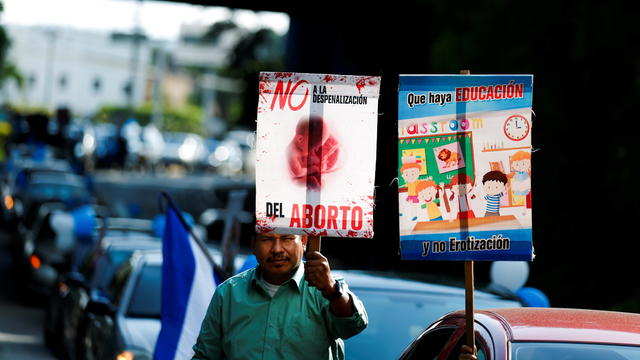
[[15, 180], [75, 289], [127, 318], [532, 334], [38, 186], [44, 239], [398, 309], [184, 149]]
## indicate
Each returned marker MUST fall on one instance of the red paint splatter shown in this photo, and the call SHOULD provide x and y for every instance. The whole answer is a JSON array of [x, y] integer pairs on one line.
[[352, 233], [315, 232], [330, 78], [264, 77], [282, 75], [263, 226], [362, 82]]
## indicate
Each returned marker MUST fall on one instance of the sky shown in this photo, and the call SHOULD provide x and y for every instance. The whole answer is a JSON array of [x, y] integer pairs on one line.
[[159, 19]]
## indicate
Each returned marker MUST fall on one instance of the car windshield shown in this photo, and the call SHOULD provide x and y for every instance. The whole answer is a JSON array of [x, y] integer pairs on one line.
[[572, 351], [395, 319], [146, 299], [57, 191]]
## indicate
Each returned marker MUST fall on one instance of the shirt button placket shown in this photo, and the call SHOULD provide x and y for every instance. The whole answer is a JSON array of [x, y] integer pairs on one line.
[[271, 333]]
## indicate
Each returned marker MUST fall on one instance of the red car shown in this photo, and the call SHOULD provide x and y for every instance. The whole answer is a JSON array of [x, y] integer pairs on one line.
[[533, 334]]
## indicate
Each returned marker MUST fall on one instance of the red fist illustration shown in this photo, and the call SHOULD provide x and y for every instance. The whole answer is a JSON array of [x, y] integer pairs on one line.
[[313, 151]]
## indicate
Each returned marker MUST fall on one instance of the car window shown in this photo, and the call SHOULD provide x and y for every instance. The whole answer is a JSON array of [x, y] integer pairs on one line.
[[480, 345], [91, 261], [146, 298], [45, 233], [117, 285], [107, 265], [395, 319], [428, 345], [573, 351], [58, 191]]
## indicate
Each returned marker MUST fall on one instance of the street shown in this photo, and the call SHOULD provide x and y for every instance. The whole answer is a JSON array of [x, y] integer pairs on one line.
[[136, 194], [20, 325]]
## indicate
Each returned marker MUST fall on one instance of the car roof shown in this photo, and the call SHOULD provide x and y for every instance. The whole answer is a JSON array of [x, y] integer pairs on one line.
[[566, 325], [388, 281], [153, 256], [132, 243], [61, 178]]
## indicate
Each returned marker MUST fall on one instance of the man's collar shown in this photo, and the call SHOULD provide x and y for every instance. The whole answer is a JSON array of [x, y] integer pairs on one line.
[[297, 276]]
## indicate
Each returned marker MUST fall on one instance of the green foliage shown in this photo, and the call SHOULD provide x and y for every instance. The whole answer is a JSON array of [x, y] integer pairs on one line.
[[10, 71], [217, 29], [255, 51], [29, 110], [186, 119]]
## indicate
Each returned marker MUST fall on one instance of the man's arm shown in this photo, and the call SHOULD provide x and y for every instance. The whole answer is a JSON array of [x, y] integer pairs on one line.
[[466, 353], [318, 274], [346, 315], [209, 343]]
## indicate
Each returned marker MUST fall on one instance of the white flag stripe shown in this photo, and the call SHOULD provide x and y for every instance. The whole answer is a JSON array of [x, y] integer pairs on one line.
[[201, 292]]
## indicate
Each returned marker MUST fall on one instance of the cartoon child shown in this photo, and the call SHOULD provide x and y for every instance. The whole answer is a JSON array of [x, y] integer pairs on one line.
[[494, 183], [429, 195], [410, 173], [521, 178], [461, 186]]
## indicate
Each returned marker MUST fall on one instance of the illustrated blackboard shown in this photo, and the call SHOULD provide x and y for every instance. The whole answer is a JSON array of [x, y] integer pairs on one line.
[[441, 156]]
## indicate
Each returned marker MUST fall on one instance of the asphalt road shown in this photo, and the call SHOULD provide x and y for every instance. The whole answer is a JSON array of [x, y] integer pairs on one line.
[[20, 324]]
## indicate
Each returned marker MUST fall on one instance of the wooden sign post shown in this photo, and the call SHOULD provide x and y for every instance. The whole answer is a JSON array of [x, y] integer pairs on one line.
[[469, 287], [313, 243], [468, 308]]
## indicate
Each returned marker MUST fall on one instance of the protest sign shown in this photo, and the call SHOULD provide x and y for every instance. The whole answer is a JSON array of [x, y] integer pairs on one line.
[[315, 154], [464, 167]]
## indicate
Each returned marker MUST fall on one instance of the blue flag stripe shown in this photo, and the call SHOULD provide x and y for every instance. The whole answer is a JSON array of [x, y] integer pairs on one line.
[[178, 272]]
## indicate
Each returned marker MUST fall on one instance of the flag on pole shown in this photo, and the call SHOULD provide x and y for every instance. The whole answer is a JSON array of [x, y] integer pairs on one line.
[[188, 283]]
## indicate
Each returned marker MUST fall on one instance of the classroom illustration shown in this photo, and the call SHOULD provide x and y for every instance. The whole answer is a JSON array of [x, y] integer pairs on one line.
[[448, 182]]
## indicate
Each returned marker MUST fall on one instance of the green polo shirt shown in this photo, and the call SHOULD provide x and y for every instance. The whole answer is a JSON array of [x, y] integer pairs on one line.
[[244, 322]]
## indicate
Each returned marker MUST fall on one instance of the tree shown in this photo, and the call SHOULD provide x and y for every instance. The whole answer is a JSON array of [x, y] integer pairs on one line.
[[260, 50], [8, 71]]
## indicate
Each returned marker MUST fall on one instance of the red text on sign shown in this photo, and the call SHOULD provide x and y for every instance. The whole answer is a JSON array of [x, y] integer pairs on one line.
[[326, 217], [283, 96]]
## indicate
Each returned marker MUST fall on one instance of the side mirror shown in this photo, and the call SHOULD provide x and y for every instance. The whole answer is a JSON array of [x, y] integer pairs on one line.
[[45, 275], [101, 306], [76, 279]]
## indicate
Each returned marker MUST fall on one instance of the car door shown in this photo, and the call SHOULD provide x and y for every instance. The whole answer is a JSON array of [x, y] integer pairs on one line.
[[444, 340]]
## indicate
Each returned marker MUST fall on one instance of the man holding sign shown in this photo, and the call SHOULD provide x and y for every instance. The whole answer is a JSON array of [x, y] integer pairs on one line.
[[315, 170], [280, 309]]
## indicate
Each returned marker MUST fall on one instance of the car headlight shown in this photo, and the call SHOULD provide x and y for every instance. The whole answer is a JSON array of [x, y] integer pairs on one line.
[[8, 202], [125, 355], [134, 355]]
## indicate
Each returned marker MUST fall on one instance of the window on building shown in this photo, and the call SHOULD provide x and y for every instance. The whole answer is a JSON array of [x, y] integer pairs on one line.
[[63, 81], [97, 84], [31, 80]]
